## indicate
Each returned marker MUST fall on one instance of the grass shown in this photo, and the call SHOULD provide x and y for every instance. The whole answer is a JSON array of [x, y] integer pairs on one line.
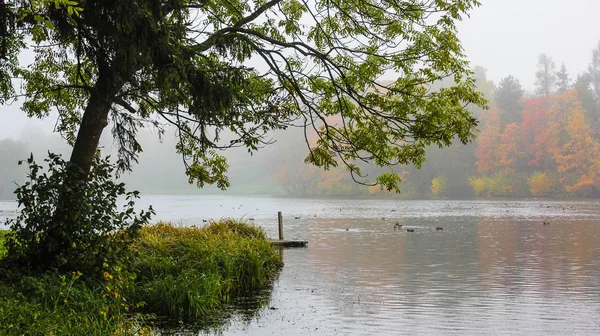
[[178, 273]]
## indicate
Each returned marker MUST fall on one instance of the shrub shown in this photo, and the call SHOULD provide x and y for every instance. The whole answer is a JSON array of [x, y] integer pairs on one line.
[[91, 235]]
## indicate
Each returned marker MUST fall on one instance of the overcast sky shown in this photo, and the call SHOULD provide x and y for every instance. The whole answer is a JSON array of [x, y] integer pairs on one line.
[[507, 36], [504, 36]]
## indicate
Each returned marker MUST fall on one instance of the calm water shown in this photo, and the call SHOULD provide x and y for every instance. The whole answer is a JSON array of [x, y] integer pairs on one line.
[[494, 268]]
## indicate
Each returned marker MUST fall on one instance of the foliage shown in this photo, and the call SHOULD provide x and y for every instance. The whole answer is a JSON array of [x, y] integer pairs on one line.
[[553, 138], [3, 249], [189, 272], [576, 152], [540, 184], [508, 151], [478, 184], [134, 62], [438, 186], [97, 232], [487, 147]]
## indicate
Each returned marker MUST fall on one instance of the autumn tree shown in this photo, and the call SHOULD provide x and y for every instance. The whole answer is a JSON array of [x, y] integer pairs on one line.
[[536, 132], [509, 152], [245, 68], [545, 83], [576, 152], [488, 141]]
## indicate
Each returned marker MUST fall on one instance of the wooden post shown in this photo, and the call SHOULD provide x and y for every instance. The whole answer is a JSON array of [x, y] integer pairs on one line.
[[280, 221]]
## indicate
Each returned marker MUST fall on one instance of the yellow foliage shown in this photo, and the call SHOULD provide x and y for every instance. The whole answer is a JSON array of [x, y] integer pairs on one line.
[[478, 185], [540, 184], [438, 186]]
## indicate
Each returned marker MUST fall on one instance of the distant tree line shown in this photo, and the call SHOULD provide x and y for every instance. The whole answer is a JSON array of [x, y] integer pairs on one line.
[[546, 143]]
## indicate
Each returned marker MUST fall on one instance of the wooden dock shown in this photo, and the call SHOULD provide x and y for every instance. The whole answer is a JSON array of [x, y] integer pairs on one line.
[[289, 243], [286, 243]]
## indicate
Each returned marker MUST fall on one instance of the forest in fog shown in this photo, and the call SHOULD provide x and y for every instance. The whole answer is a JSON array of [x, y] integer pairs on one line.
[[542, 141]]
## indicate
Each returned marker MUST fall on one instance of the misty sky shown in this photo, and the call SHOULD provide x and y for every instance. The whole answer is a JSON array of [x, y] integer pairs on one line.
[[504, 36]]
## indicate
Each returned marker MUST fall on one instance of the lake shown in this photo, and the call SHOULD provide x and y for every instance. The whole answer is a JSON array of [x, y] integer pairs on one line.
[[494, 269]]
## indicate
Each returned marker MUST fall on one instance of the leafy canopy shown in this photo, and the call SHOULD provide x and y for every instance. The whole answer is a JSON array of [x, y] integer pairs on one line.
[[226, 72]]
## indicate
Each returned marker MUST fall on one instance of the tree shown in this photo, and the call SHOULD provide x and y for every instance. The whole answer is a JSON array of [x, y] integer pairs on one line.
[[540, 184], [186, 63], [590, 89], [563, 81], [545, 76], [508, 98], [438, 186], [488, 141], [594, 74], [576, 152], [537, 134], [586, 96]]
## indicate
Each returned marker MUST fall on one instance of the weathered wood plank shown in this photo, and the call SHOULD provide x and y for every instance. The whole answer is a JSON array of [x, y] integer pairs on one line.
[[289, 243]]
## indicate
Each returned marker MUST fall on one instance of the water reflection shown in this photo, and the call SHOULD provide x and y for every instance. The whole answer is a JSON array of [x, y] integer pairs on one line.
[[495, 268], [481, 275]]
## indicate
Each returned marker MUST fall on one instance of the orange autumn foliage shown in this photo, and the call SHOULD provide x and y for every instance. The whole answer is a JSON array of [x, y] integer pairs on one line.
[[576, 152], [486, 150]]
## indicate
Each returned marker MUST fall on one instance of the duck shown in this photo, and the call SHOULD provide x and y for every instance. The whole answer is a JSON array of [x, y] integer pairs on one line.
[[251, 218], [397, 226], [410, 230], [204, 221], [297, 217], [439, 228], [545, 223]]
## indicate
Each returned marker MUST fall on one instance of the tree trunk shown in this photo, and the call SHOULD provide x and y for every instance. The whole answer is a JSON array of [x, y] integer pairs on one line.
[[61, 232], [95, 119]]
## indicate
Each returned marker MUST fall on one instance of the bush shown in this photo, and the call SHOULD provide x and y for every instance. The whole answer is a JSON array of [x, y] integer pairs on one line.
[[540, 184], [71, 224]]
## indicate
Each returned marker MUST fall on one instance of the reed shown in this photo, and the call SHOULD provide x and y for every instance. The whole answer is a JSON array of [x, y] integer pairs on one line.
[[193, 272]]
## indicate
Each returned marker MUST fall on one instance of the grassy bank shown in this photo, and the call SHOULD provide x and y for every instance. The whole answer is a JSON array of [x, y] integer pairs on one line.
[[180, 273]]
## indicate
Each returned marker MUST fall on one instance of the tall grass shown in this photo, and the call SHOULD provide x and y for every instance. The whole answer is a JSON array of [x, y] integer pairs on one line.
[[172, 272], [55, 304], [191, 273]]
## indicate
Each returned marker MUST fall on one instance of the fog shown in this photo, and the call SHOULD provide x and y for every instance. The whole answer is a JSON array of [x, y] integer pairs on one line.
[[502, 37]]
